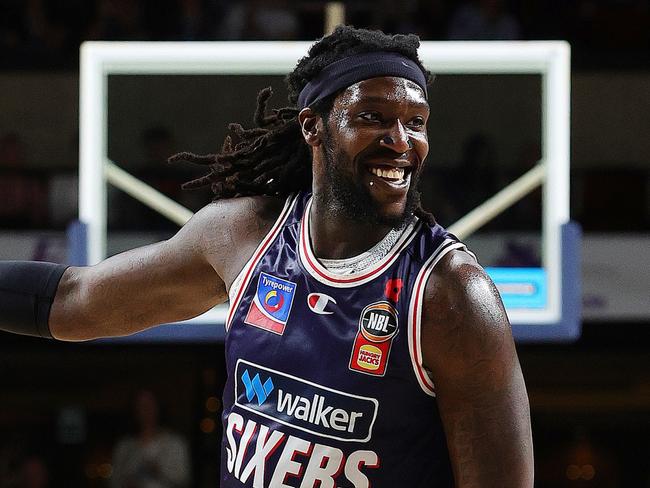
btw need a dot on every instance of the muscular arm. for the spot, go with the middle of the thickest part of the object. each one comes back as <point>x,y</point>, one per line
<point>467,344</point>
<point>164,282</point>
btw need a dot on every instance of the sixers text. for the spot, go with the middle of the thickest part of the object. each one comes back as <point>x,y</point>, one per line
<point>322,465</point>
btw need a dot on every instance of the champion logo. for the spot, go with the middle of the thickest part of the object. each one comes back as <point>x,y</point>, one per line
<point>318,303</point>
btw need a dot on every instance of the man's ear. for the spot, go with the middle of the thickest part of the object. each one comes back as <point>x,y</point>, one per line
<point>311,126</point>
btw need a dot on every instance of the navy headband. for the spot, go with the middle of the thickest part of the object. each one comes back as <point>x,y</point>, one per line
<point>358,67</point>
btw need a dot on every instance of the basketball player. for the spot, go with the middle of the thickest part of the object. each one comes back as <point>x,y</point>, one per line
<point>365,345</point>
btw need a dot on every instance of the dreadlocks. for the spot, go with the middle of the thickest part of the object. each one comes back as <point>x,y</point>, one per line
<point>272,158</point>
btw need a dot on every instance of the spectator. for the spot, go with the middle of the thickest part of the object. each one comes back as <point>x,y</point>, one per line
<point>483,20</point>
<point>476,178</point>
<point>191,20</point>
<point>260,20</point>
<point>526,214</point>
<point>118,20</point>
<point>13,31</point>
<point>431,19</point>
<point>12,151</point>
<point>24,193</point>
<point>21,470</point>
<point>157,144</point>
<point>516,254</point>
<point>33,473</point>
<point>154,457</point>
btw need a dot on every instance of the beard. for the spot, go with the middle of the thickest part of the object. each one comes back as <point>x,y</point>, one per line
<point>350,199</point>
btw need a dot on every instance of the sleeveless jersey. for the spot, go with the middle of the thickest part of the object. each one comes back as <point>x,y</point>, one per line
<point>326,386</point>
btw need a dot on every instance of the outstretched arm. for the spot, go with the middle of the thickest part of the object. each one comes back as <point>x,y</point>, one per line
<point>467,344</point>
<point>165,282</point>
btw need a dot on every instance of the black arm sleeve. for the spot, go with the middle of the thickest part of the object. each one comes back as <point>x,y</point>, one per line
<point>27,290</point>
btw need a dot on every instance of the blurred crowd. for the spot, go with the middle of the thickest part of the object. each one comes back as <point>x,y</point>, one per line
<point>143,452</point>
<point>47,33</point>
<point>44,198</point>
<point>47,197</point>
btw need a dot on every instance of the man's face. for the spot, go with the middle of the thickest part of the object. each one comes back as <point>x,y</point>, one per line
<point>367,177</point>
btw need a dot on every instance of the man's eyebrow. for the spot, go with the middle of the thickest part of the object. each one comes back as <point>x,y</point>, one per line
<point>373,99</point>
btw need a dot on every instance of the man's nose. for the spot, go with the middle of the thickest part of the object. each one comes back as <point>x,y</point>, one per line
<point>397,139</point>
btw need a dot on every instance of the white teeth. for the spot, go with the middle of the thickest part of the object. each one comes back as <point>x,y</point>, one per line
<point>392,174</point>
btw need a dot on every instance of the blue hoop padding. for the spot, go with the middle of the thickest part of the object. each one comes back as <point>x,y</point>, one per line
<point>569,327</point>
<point>76,237</point>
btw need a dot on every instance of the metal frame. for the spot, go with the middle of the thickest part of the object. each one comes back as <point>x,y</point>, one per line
<point>550,59</point>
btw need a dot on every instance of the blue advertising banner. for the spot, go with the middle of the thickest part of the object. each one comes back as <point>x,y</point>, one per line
<point>521,287</point>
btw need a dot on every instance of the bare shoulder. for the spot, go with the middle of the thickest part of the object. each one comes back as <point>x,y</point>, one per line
<point>463,313</point>
<point>237,219</point>
<point>467,346</point>
<point>229,230</point>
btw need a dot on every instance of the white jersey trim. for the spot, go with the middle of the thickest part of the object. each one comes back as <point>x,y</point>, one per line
<point>325,276</point>
<point>415,314</point>
<point>240,283</point>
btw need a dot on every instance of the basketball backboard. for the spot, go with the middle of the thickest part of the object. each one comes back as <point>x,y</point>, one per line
<point>542,302</point>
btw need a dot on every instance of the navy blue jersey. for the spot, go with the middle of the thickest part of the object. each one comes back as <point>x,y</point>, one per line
<point>326,386</point>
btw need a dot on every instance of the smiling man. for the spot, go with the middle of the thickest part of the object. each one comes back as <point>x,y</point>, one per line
<point>365,346</point>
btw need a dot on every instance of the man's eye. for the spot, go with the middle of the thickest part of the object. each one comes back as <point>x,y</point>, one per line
<point>417,122</point>
<point>370,116</point>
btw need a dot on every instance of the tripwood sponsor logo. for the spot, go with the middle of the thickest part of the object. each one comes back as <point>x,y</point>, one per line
<point>378,325</point>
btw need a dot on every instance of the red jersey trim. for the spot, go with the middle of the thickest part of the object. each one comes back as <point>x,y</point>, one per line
<point>415,314</point>
<point>320,273</point>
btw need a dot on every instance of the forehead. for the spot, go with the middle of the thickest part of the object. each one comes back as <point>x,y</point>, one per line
<point>388,89</point>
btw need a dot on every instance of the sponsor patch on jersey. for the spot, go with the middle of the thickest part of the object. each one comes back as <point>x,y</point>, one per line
<point>378,325</point>
<point>378,322</point>
<point>318,303</point>
<point>271,304</point>
<point>304,405</point>
<point>369,357</point>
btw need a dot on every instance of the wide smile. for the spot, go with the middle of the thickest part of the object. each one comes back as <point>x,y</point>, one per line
<point>395,177</point>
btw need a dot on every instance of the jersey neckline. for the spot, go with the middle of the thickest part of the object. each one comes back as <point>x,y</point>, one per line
<point>327,277</point>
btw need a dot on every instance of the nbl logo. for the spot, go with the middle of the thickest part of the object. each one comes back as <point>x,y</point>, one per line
<point>378,325</point>
<point>378,322</point>
<point>271,304</point>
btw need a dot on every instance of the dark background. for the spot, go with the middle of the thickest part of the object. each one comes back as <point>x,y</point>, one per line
<point>590,400</point>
